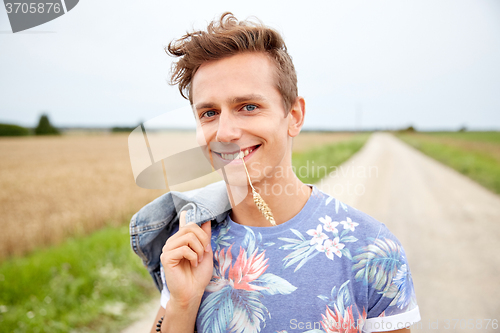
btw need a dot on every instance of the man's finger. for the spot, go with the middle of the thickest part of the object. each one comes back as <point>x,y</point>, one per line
<point>182,219</point>
<point>207,227</point>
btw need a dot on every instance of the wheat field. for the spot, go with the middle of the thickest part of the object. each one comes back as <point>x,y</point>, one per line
<point>55,187</point>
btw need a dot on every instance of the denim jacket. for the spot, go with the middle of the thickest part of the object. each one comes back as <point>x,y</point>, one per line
<point>151,226</point>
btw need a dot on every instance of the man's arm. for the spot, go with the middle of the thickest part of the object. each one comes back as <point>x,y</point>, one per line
<point>176,320</point>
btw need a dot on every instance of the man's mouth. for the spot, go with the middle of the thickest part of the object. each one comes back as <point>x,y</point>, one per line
<point>235,155</point>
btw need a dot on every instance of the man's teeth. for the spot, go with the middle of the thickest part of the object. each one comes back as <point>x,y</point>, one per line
<point>241,154</point>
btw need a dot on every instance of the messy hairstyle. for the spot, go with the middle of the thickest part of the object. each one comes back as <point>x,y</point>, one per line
<point>227,37</point>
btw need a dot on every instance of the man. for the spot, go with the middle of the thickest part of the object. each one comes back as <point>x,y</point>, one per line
<point>324,267</point>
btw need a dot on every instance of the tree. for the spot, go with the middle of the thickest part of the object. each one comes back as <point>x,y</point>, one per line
<point>45,127</point>
<point>410,129</point>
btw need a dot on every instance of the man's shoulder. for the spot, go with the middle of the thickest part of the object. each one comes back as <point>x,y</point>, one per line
<point>331,213</point>
<point>156,207</point>
<point>335,208</point>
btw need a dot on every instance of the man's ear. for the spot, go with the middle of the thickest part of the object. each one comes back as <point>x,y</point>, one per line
<point>296,116</point>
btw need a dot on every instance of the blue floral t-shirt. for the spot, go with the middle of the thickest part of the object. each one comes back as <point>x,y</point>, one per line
<point>331,268</point>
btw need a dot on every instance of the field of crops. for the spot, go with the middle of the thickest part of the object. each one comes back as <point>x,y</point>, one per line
<point>474,154</point>
<point>53,187</point>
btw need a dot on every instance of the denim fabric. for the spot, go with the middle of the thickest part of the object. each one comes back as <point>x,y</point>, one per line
<point>151,226</point>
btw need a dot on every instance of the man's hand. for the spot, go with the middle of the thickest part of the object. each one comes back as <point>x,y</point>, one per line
<point>187,260</point>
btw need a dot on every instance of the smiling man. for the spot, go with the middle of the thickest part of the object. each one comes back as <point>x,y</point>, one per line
<point>324,266</point>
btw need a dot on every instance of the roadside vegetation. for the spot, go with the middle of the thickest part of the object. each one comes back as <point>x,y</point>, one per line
<point>85,284</point>
<point>474,154</point>
<point>314,164</point>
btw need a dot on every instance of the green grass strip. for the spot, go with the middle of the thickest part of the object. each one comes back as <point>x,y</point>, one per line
<point>86,284</point>
<point>312,165</point>
<point>486,136</point>
<point>479,166</point>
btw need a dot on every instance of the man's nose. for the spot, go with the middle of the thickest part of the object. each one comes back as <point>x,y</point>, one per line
<point>228,129</point>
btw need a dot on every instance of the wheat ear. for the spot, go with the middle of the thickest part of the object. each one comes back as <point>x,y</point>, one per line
<point>259,202</point>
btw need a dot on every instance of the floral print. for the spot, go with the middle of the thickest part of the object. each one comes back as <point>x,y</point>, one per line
<point>304,249</point>
<point>343,318</point>
<point>330,247</point>
<point>329,224</point>
<point>333,321</point>
<point>237,289</point>
<point>404,285</point>
<point>318,235</point>
<point>349,224</point>
<point>383,265</point>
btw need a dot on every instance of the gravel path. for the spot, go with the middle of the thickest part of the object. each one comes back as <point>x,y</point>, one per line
<point>145,317</point>
<point>448,225</point>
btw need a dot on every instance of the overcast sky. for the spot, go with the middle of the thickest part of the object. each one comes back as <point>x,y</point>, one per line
<point>361,64</point>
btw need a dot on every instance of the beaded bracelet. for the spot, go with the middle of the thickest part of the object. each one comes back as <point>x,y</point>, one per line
<point>158,326</point>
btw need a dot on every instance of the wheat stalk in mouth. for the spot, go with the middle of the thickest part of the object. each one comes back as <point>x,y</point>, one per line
<point>259,202</point>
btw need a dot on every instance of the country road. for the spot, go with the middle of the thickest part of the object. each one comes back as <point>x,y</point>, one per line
<point>448,225</point>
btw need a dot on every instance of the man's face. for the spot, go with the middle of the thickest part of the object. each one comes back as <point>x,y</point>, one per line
<point>238,106</point>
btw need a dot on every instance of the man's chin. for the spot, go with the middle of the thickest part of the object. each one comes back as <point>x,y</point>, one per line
<point>234,178</point>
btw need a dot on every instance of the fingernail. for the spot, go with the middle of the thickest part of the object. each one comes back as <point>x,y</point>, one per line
<point>201,258</point>
<point>207,248</point>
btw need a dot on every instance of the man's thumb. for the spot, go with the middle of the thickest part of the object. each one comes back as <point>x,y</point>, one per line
<point>207,227</point>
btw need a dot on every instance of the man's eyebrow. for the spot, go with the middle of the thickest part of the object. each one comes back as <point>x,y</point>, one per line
<point>246,98</point>
<point>207,105</point>
<point>233,100</point>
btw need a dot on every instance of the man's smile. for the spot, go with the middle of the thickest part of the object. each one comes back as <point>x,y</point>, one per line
<point>235,155</point>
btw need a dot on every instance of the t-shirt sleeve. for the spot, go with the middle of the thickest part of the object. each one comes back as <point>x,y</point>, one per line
<point>392,300</point>
<point>165,294</point>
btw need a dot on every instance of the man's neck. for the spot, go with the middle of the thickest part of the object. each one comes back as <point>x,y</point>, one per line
<point>285,197</point>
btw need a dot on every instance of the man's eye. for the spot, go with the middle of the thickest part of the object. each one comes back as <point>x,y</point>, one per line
<point>250,107</point>
<point>208,114</point>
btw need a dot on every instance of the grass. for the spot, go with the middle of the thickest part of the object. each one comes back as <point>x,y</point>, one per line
<point>489,137</point>
<point>306,141</point>
<point>86,284</point>
<point>474,154</point>
<point>314,164</point>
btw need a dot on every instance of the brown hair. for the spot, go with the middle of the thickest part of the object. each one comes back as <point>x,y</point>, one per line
<point>228,37</point>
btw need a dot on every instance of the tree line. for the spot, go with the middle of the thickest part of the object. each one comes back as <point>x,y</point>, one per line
<point>44,127</point>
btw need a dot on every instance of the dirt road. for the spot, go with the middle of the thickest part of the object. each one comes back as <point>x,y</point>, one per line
<point>448,225</point>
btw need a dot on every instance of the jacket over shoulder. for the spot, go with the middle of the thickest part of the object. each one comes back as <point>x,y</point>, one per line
<point>153,224</point>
